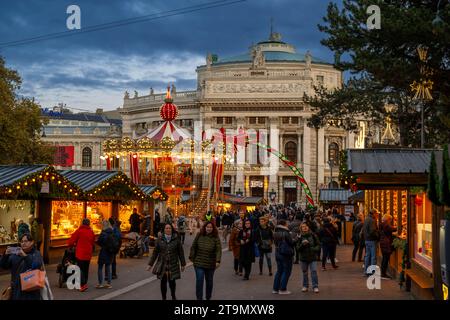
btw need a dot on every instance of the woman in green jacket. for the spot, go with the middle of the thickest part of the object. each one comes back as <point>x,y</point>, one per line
<point>308,246</point>
<point>206,252</point>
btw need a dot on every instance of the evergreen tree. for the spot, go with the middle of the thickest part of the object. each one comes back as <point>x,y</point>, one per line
<point>383,63</point>
<point>433,181</point>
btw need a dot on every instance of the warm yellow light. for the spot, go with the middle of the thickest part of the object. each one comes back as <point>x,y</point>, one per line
<point>34,180</point>
<point>26,183</point>
<point>46,173</point>
<point>18,187</point>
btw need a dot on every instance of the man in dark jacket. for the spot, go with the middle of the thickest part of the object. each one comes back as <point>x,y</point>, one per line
<point>284,253</point>
<point>135,221</point>
<point>371,237</point>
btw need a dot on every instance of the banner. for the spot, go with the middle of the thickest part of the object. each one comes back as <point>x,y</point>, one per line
<point>64,156</point>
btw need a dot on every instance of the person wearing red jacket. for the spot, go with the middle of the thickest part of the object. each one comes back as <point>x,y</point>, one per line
<point>83,239</point>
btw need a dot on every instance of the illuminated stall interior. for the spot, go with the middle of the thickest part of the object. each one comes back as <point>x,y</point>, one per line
<point>101,189</point>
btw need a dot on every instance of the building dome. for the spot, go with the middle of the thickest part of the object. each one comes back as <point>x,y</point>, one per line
<point>274,50</point>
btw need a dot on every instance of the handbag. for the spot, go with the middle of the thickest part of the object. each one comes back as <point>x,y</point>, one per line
<point>256,250</point>
<point>157,268</point>
<point>32,280</point>
<point>6,294</point>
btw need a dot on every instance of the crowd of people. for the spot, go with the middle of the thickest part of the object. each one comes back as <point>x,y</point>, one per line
<point>295,235</point>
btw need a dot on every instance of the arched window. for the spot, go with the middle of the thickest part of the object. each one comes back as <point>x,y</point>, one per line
<point>290,150</point>
<point>333,153</point>
<point>86,158</point>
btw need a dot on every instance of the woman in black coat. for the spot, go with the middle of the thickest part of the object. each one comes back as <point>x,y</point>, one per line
<point>386,239</point>
<point>19,260</point>
<point>168,254</point>
<point>247,254</point>
<point>329,237</point>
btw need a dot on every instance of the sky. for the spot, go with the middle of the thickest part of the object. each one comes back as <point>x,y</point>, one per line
<point>91,70</point>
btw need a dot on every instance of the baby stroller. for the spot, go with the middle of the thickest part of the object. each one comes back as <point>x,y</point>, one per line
<point>68,259</point>
<point>134,247</point>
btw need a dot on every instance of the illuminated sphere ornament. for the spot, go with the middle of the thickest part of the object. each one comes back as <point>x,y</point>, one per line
<point>168,110</point>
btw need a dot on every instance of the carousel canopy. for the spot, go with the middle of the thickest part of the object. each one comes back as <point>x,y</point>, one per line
<point>168,130</point>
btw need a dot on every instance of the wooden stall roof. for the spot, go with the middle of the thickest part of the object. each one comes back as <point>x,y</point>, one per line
<point>377,168</point>
<point>340,196</point>
<point>13,173</point>
<point>88,180</point>
<point>150,190</point>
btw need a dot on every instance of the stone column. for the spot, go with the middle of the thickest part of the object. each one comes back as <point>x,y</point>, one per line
<point>321,156</point>
<point>240,159</point>
<point>307,153</point>
<point>274,160</point>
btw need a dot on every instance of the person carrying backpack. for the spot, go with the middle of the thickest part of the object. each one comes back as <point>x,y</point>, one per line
<point>109,245</point>
<point>116,231</point>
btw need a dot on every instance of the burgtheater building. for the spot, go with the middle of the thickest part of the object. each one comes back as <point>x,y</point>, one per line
<point>260,90</point>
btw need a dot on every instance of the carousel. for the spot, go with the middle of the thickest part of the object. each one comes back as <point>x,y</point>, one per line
<point>162,157</point>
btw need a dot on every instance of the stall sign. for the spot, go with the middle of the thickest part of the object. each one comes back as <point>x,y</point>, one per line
<point>45,188</point>
<point>349,211</point>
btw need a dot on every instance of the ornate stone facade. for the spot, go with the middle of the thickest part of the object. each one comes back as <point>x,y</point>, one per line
<point>260,90</point>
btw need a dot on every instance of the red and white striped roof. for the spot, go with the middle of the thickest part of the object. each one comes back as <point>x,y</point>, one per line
<point>167,129</point>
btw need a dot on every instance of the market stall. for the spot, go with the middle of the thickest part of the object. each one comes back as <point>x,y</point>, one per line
<point>103,191</point>
<point>395,182</point>
<point>25,190</point>
<point>233,202</point>
<point>340,200</point>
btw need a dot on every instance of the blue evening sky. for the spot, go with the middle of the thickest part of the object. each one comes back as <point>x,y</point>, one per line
<point>92,70</point>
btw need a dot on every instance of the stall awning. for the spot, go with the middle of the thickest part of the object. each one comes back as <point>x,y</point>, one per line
<point>9,175</point>
<point>233,199</point>
<point>88,180</point>
<point>378,168</point>
<point>153,191</point>
<point>34,181</point>
<point>104,185</point>
<point>337,196</point>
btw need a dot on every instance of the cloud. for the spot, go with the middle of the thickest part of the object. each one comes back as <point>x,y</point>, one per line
<point>92,78</point>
